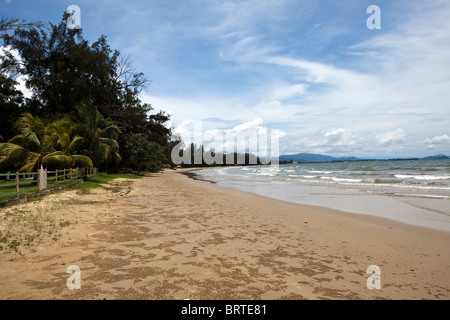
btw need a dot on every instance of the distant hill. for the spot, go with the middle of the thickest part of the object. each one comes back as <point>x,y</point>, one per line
<point>311,157</point>
<point>436,157</point>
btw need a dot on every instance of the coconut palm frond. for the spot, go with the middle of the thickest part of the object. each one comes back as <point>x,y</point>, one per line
<point>100,142</point>
<point>32,142</point>
<point>109,142</point>
<point>54,153</point>
<point>31,163</point>
<point>109,131</point>
<point>28,123</point>
<point>115,156</point>
<point>75,143</point>
<point>62,125</point>
<point>89,114</point>
<point>82,161</point>
<point>12,154</point>
<point>103,152</point>
<point>18,139</point>
<point>58,158</point>
<point>64,142</point>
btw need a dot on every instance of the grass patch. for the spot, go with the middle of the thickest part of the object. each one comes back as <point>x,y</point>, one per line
<point>87,185</point>
<point>6,244</point>
<point>29,225</point>
<point>103,179</point>
<point>7,193</point>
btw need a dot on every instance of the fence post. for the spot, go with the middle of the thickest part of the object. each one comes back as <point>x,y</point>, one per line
<point>56,177</point>
<point>17,184</point>
<point>38,180</point>
<point>46,179</point>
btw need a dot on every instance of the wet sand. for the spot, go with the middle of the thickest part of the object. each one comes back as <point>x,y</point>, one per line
<point>173,237</point>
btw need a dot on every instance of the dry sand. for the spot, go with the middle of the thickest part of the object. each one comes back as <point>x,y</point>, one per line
<point>172,237</point>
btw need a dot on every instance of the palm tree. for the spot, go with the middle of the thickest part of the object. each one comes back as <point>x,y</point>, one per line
<point>59,142</point>
<point>103,148</point>
<point>36,145</point>
<point>25,150</point>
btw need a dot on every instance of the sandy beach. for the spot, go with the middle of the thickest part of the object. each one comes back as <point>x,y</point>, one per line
<point>173,237</point>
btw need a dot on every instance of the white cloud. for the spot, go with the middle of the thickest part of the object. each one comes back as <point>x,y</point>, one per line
<point>319,72</point>
<point>336,133</point>
<point>339,137</point>
<point>8,50</point>
<point>283,92</point>
<point>250,136</point>
<point>21,86</point>
<point>444,139</point>
<point>392,137</point>
<point>20,79</point>
<point>338,142</point>
<point>254,124</point>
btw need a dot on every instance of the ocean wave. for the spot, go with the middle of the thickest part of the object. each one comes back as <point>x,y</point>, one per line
<point>266,174</point>
<point>346,180</point>
<point>424,195</point>
<point>325,172</point>
<point>421,177</point>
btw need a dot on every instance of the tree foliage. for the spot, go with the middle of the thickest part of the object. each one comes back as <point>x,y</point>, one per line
<point>37,144</point>
<point>7,24</point>
<point>10,102</point>
<point>88,93</point>
<point>143,154</point>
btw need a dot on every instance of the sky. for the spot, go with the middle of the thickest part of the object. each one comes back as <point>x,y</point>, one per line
<point>310,71</point>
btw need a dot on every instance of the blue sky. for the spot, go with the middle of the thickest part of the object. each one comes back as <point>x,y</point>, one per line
<point>310,69</point>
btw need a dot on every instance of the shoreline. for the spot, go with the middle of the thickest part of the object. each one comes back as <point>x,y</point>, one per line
<point>419,212</point>
<point>173,237</point>
<point>363,218</point>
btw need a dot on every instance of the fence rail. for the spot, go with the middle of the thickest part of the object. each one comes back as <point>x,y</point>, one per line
<point>16,184</point>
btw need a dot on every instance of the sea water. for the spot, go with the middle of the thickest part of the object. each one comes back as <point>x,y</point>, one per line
<point>410,191</point>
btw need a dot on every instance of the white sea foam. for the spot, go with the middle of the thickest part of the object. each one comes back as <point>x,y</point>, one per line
<point>421,177</point>
<point>429,179</point>
<point>345,180</point>
<point>324,172</point>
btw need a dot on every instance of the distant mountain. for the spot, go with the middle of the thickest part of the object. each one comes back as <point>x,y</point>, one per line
<point>436,157</point>
<point>311,157</point>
